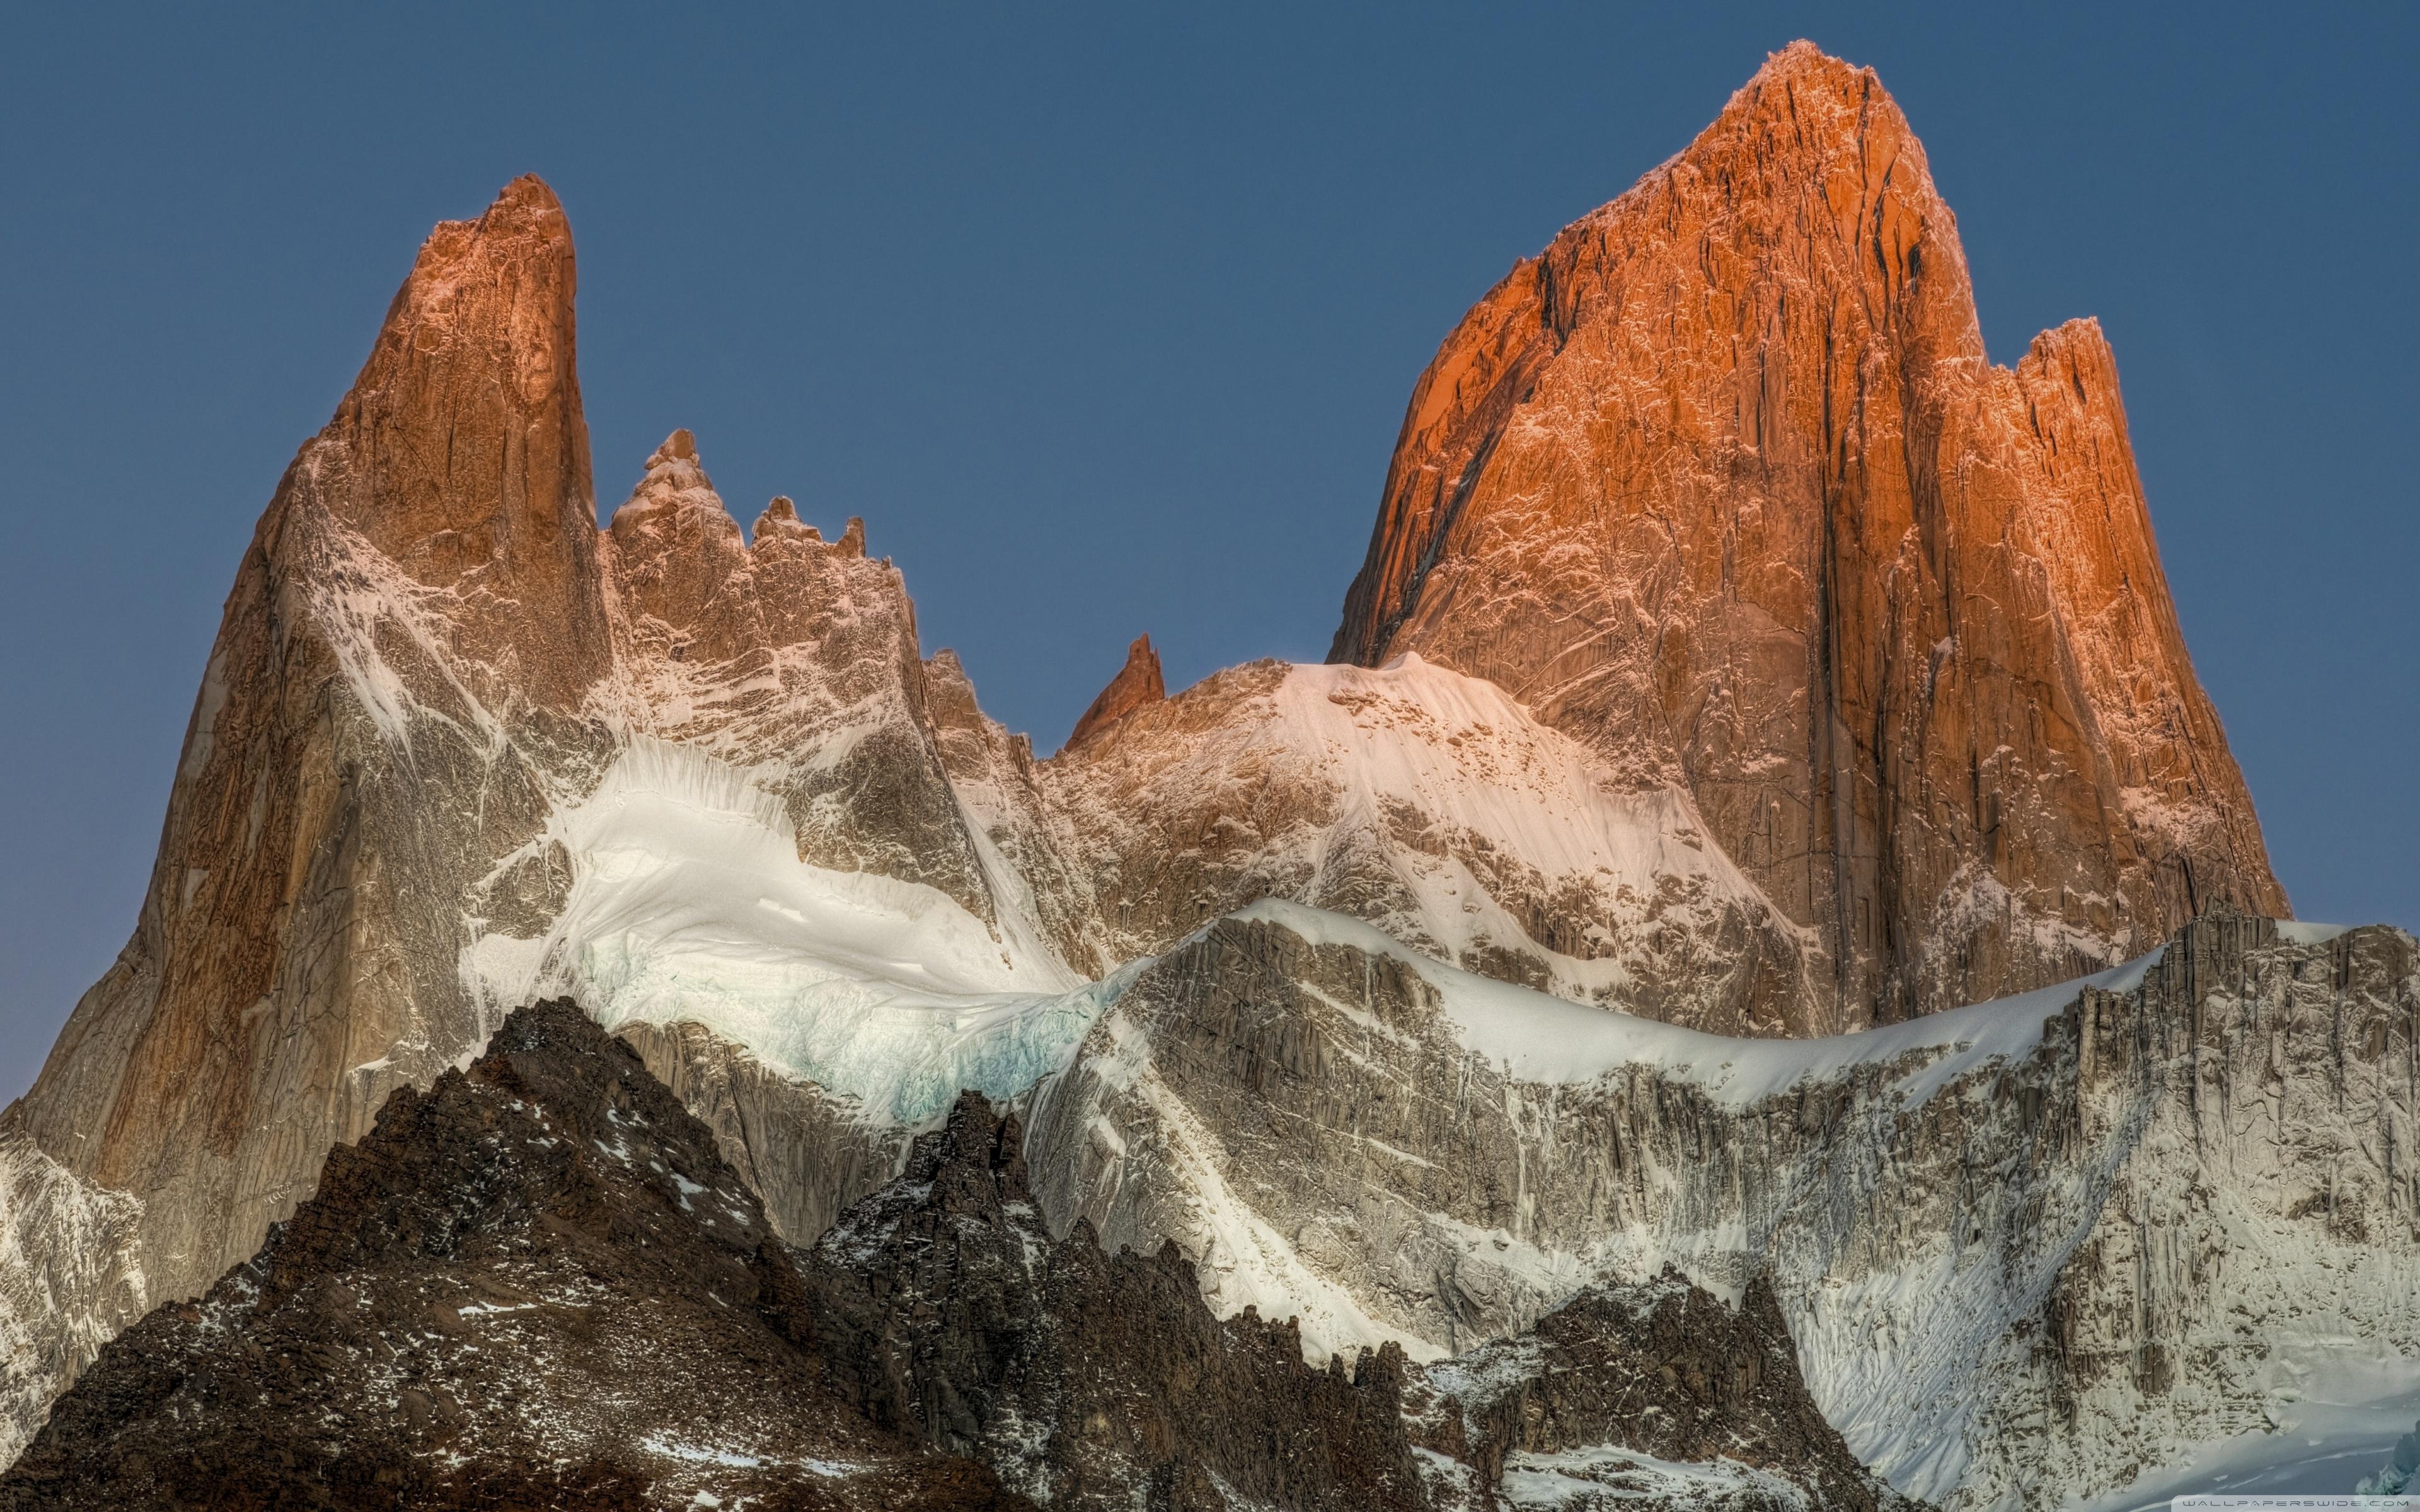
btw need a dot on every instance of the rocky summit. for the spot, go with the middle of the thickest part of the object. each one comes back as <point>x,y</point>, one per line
<point>1138,683</point>
<point>1750,979</point>
<point>1722,485</point>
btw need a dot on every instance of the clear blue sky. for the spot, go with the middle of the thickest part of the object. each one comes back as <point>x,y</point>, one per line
<point>1104,318</point>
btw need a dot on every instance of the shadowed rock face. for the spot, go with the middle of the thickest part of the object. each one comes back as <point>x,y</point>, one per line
<point>295,956</point>
<point>535,1285</point>
<point>2025,1251</point>
<point>803,1152</point>
<point>1723,485</point>
<point>1099,1381</point>
<point>1569,1402</point>
<point>427,653</point>
<point>1085,1378</point>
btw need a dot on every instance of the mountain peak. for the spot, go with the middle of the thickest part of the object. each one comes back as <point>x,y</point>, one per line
<point>461,451</point>
<point>1138,683</point>
<point>480,336</point>
<point>680,446</point>
<point>780,518</point>
<point>1721,485</point>
<point>674,479</point>
<point>1802,75</point>
<point>1805,59</point>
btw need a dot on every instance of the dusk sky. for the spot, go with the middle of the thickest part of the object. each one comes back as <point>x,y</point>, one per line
<point>1104,319</point>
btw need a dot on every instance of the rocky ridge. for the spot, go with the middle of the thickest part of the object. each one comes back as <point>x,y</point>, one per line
<point>538,1285</point>
<point>456,748</point>
<point>1568,1414</point>
<point>1432,805</point>
<point>375,727</point>
<point>1998,1234</point>
<point>1138,683</point>
<point>535,1285</point>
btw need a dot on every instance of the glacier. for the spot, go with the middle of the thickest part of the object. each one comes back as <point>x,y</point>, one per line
<point>689,902</point>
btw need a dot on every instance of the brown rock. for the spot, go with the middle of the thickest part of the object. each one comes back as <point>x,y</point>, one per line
<point>462,453</point>
<point>773,654</point>
<point>1138,683</point>
<point>294,959</point>
<point>1723,484</point>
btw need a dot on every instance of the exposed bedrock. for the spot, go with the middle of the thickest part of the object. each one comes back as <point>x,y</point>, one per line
<point>2032,1249</point>
<point>539,1285</point>
<point>1737,649</point>
<point>1723,485</point>
<point>535,1285</point>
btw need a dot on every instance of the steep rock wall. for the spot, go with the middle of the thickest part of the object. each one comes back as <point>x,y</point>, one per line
<point>1722,484</point>
<point>2042,1246</point>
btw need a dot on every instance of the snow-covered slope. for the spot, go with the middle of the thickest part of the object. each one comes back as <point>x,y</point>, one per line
<point>1433,805</point>
<point>688,902</point>
<point>2026,1249</point>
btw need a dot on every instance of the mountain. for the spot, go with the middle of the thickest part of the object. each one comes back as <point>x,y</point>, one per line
<point>1722,485</point>
<point>374,729</point>
<point>1462,983</point>
<point>538,1285</point>
<point>2026,1249</point>
<point>1432,805</point>
<point>535,1284</point>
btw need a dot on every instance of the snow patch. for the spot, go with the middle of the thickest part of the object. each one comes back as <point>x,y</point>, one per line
<point>689,902</point>
<point>667,1447</point>
<point>1542,1039</point>
<point>1578,1478</point>
<point>2302,932</point>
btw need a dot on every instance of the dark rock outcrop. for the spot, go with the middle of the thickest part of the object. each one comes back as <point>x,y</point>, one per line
<point>1662,1368</point>
<point>539,1285</point>
<point>535,1286</point>
<point>2026,1250</point>
<point>1092,1380</point>
<point>1085,1378</point>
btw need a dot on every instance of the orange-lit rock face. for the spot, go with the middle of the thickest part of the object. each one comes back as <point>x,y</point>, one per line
<point>1138,683</point>
<point>461,454</point>
<point>1723,485</point>
<point>413,654</point>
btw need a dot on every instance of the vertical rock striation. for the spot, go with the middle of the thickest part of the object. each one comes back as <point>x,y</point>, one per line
<point>1737,647</point>
<point>429,656</point>
<point>795,658</point>
<point>2026,1250</point>
<point>398,679</point>
<point>1723,485</point>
